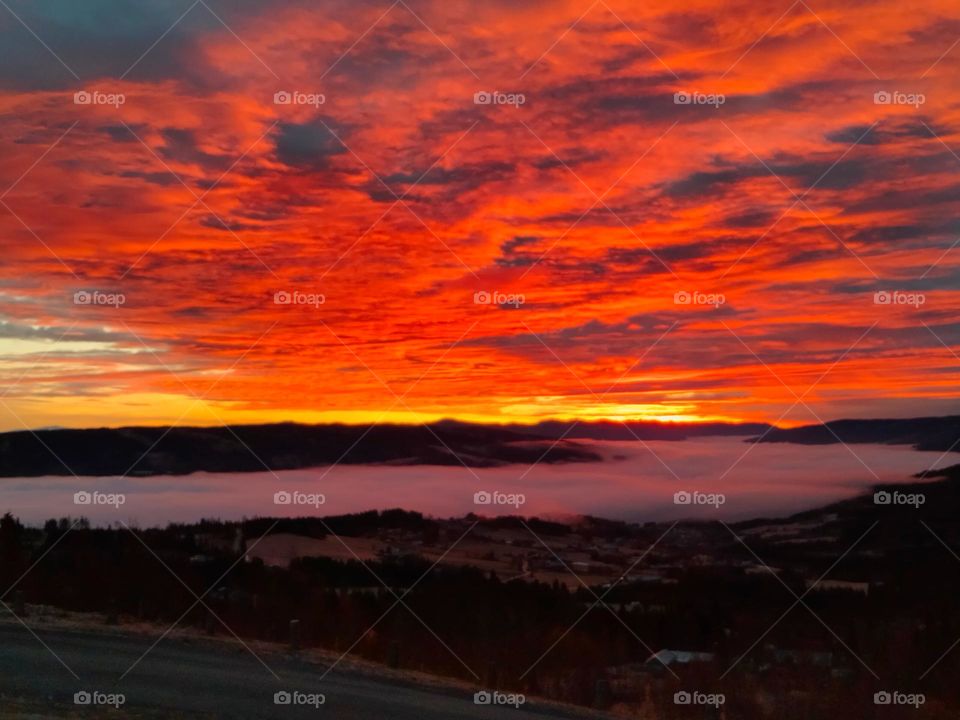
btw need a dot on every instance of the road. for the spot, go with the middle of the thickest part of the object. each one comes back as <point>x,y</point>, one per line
<point>191,679</point>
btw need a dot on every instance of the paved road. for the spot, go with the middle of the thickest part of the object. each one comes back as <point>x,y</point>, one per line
<point>187,679</point>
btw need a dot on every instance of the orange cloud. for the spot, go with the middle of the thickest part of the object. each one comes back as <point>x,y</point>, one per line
<point>674,212</point>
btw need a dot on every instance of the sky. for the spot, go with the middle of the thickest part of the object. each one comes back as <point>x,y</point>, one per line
<point>217,212</point>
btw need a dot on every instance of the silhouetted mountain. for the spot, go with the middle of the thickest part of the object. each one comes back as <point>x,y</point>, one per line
<point>252,448</point>
<point>949,473</point>
<point>633,430</point>
<point>935,433</point>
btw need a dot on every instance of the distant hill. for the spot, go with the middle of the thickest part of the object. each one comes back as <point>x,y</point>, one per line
<point>142,451</point>
<point>941,491</point>
<point>642,430</point>
<point>931,433</point>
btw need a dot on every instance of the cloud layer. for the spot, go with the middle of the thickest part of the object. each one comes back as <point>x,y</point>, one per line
<point>516,211</point>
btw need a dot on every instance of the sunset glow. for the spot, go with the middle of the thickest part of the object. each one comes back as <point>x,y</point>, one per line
<point>648,212</point>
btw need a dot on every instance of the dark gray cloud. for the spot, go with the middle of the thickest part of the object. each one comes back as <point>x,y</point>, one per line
<point>453,182</point>
<point>100,39</point>
<point>941,200</point>
<point>183,146</point>
<point>216,222</point>
<point>572,159</point>
<point>161,177</point>
<point>309,145</point>
<point>471,175</point>
<point>120,134</point>
<point>672,253</point>
<point>520,251</point>
<point>885,133</point>
<point>799,174</point>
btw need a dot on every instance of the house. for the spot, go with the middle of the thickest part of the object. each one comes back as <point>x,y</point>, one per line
<point>851,586</point>
<point>679,657</point>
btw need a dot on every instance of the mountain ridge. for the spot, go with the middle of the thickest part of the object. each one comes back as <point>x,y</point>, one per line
<point>923,433</point>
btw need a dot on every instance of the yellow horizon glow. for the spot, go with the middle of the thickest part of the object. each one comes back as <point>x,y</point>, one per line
<point>164,410</point>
